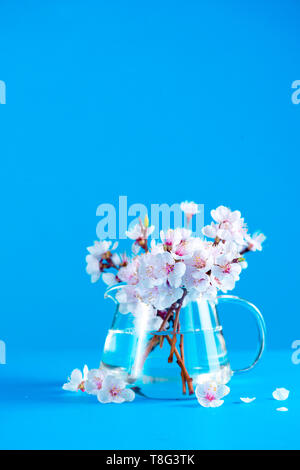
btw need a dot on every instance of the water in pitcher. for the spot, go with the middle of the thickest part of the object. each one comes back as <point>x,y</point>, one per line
<point>127,355</point>
<point>205,358</point>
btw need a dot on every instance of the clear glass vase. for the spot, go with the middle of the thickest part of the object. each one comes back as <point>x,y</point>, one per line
<point>141,356</point>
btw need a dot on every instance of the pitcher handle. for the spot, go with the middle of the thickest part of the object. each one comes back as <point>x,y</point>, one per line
<point>260,326</point>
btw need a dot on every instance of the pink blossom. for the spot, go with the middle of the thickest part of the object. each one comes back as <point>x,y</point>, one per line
<point>209,394</point>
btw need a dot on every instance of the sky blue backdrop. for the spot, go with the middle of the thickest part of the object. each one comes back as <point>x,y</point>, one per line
<point>159,101</point>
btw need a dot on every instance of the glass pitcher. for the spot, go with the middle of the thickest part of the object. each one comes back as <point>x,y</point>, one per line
<point>141,355</point>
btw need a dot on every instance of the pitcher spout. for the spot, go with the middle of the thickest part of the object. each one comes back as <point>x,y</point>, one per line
<point>111,292</point>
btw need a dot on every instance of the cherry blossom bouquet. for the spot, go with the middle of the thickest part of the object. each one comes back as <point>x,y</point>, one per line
<point>180,268</point>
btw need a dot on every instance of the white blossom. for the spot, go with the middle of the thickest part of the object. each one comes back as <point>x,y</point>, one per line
<point>114,390</point>
<point>149,274</point>
<point>209,394</point>
<point>128,297</point>
<point>155,270</point>
<point>203,256</point>
<point>161,297</point>
<point>255,242</point>
<point>99,248</point>
<point>179,242</point>
<point>77,380</point>
<point>229,226</point>
<point>94,381</point>
<point>138,232</point>
<point>189,208</point>
<point>99,251</point>
<point>171,238</point>
<point>227,267</point>
<point>129,273</point>
<point>196,279</point>
<point>226,276</point>
<point>210,293</point>
<point>93,267</point>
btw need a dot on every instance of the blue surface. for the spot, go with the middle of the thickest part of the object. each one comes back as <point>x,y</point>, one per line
<point>38,414</point>
<point>162,102</point>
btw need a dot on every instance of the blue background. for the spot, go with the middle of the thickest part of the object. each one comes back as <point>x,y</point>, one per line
<point>162,102</point>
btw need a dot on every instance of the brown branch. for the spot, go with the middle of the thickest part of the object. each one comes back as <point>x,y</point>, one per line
<point>174,339</point>
<point>182,358</point>
<point>216,241</point>
<point>156,338</point>
<point>143,242</point>
<point>245,250</point>
<point>188,379</point>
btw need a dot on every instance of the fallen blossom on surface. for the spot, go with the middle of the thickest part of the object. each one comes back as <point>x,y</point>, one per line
<point>281,394</point>
<point>77,380</point>
<point>114,391</point>
<point>94,381</point>
<point>209,394</point>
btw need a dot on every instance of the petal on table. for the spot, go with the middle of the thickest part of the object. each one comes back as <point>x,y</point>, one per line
<point>281,394</point>
<point>247,400</point>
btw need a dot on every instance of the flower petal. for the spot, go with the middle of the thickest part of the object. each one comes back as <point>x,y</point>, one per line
<point>76,376</point>
<point>104,396</point>
<point>222,391</point>
<point>281,394</point>
<point>128,394</point>
<point>118,399</point>
<point>204,402</point>
<point>247,400</point>
<point>109,279</point>
<point>85,372</point>
<point>216,403</point>
<point>200,391</point>
<point>111,381</point>
<point>70,387</point>
<point>209,231</point>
